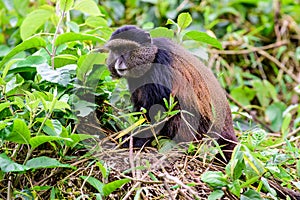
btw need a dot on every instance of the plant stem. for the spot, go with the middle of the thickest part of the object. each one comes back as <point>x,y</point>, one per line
<point>55,35</point>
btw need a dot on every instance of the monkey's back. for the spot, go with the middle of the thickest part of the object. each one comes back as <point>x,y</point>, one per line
<point>197,91</point>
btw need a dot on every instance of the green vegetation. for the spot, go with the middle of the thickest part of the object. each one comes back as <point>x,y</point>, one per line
<point>57,99</point>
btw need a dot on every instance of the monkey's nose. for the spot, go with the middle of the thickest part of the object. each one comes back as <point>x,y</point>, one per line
<point>121,67</point>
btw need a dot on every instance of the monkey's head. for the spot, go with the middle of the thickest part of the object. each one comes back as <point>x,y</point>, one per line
<point>131,52</point>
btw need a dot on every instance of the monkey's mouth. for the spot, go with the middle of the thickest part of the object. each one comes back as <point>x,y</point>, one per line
<point>121,67</point>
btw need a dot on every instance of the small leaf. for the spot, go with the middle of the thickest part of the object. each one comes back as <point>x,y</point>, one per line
<point>70,37</point>
<point>98,185</point>
<point>20,132</point>
<point>73,26</point>
<point>8,165</point>
<point>75,138</point>
<point>218,194</point>
<point>96,22</point>
<point>87,6</point>
<point>184,20</point>
<point>214,179</point>
<point>33,22</point>
<point>4,105</point>
<point>170,21</point>
<point>60,76</point>
<point>41,139</point>
<point>250,195</point>
<point>103,170</point>
<point>162,32</point>
<point>86,64</point>
<point>274,113</point>
<point>112,186</point>
<point>45,162</point>
<point>203,37</point>
<point>32,42</point>
<point>66,5</point>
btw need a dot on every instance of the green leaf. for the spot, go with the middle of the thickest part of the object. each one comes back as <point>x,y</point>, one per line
<point>87,6</point>
<point>8,165</point>
<point>170,21</point>
<point>61,76</point>
<point>33,22</point>
<point>86,64</point>
<point>45,162</point>
<point>41,139</point>
<point>32,42</point>
<point>250,195</point>
<point>70,37</point>
<point>98,185</point>
<point>218,194</point>
<point>274,113</point>
<point>214,179</point>
<point>184,20</point>
<point>66,4</point>
<point>162,32</point>
<point>75,138</point>
<point>243,95</point>
<point>4,50</point>
<point>112,186</point>
<point>20,132</point>
<point>103,170</point>
<point>4,105</point>
<point>203,37</point>
<point>96,22</point>
<point>73,26</point>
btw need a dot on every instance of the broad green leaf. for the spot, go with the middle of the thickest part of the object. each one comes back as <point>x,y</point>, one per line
<point>32,42</point>
<point>14,83</point>
<point>20,132</point>
<point>67,56</point>
<point>103,170</point>
<point>73,26</point>
<point>217,194</point>
<point>250,195</point>
<point>75,138</point>
<point>4,105</point>
<point>8,165</point>
<point>214,179</point>
<point>70,37</point>
<point>41,139</point>
<point>112,186</point>
<point>86,64</point>
<point>4,50</point>
<point>88,7</point>
<point>274,112</point>
<point>33,22</point>
<point>162,32</point>
<point>45,162</point>
<point>184,20</point>
<point>66,5</point>
<point>98,72</point>
<point>21,6</point>
<point>28,64</point>
<point>98,185</point>
<point>203,37</point>
<point>243,95</point>
<point>61,76</point>
<point>96,22</point>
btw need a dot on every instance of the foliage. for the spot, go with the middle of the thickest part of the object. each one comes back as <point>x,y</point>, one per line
<point>53,78</point>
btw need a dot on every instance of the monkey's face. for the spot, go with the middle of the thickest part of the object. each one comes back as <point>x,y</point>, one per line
<point>131,62</point>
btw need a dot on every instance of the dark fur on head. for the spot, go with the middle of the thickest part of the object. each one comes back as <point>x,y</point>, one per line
<point>157,68</point>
